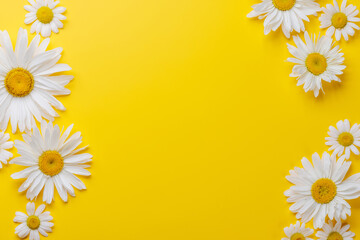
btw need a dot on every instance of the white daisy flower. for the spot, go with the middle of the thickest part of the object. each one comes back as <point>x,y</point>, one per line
<point>344,138</point>
<point>4,146</point>
<point>289,14</point>
<point>45,16</point>
<point>320,189</point>
<point>340,21</point>
<point>297,232</point>
<point>27,87</point>
<point>36,222</point>
<point>335,232</point>
<point>315,61</point>
<point>52,159</point>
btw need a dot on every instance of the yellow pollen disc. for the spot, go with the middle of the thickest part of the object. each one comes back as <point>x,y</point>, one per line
<point>346,139</point>
<point>33,222</point>
<point>297,236</point>
<point>335,236</point>
<point>51,163</point>
<point>284,5</point>
<point>316,63</point>
<point>323,190</point>
<point>19,82</point>
<point>45,15</point>
<point>339,20</point>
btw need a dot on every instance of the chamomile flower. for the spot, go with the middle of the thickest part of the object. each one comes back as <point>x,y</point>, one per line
<point>344,138</point>
<point>297,231</point>
<point>45,16</point>
<point>52,159</point>
<point>287,14</point>
<point>320,189</point>
<point>331,231</point>
<point>34,223</point>
<point>315,61</point>
<point>4,146</point>
<point>340,21</point>
<point>27,84</point>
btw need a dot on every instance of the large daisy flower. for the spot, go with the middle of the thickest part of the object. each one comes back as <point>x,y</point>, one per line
<point>4,146</point>
<point>320,189</point>
<point>340,21</point>
<point>52,159</point>
<point>344,138</point>
<point>35,222</point>
<point>315,61</point>
<point>297,231</point>
<point>331,231</point>
<point>27,87</point>
<point>289,14</point>
<point>45,16</point>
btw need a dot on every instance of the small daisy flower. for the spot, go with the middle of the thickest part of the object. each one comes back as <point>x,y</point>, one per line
<point>320,190</point>
<point>52,160</point>
<point>340,21</point>
<point>36,222</point>
<point>287,14</point>
<point>297,232</point>
<point>4,146</point>
<point>335,232</point>
<point>344,138</point>
<point>45,16</point>
<point>315,61</point>
<point>27,81</point>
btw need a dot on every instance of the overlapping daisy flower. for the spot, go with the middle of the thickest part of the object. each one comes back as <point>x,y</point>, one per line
<point>52,159</point>
<point>34,223</point>
<point>297,231</point>
<point>340,21</point>
<point>315,61</point>
<point>320,190</point>
<point>345,138</point>
<point>331,231</point>
<point>27,83</point>
<point>5,145</point>
<point>44,16</point>
<point>287,14</point>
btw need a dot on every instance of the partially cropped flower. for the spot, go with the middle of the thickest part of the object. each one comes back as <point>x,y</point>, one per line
<point>345,138</point>
<point>297,232</point>
<point>320,190</point>
<point>340,21</point>
<point>27,81</point>
<point>5,144</point>
<point>287,14</point>
<point>331,231</point>
<point>45,16</point>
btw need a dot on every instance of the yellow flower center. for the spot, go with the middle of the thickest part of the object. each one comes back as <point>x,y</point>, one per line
<point>19,82</point>
<point>297,236</point>
<point>33,222</point>
<point>346,139</point>
<point>316,63</point>
<point>51,163</point>
<point>284,5</point>
<point>335,236</point>
<point>323,190</point>
<point>339,20</point>
<point>45,15</point>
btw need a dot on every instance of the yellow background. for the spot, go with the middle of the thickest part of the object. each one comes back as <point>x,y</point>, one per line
<point>192,119</point>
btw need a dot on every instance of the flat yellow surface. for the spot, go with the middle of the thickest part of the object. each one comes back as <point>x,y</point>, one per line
<point>192,119</point>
